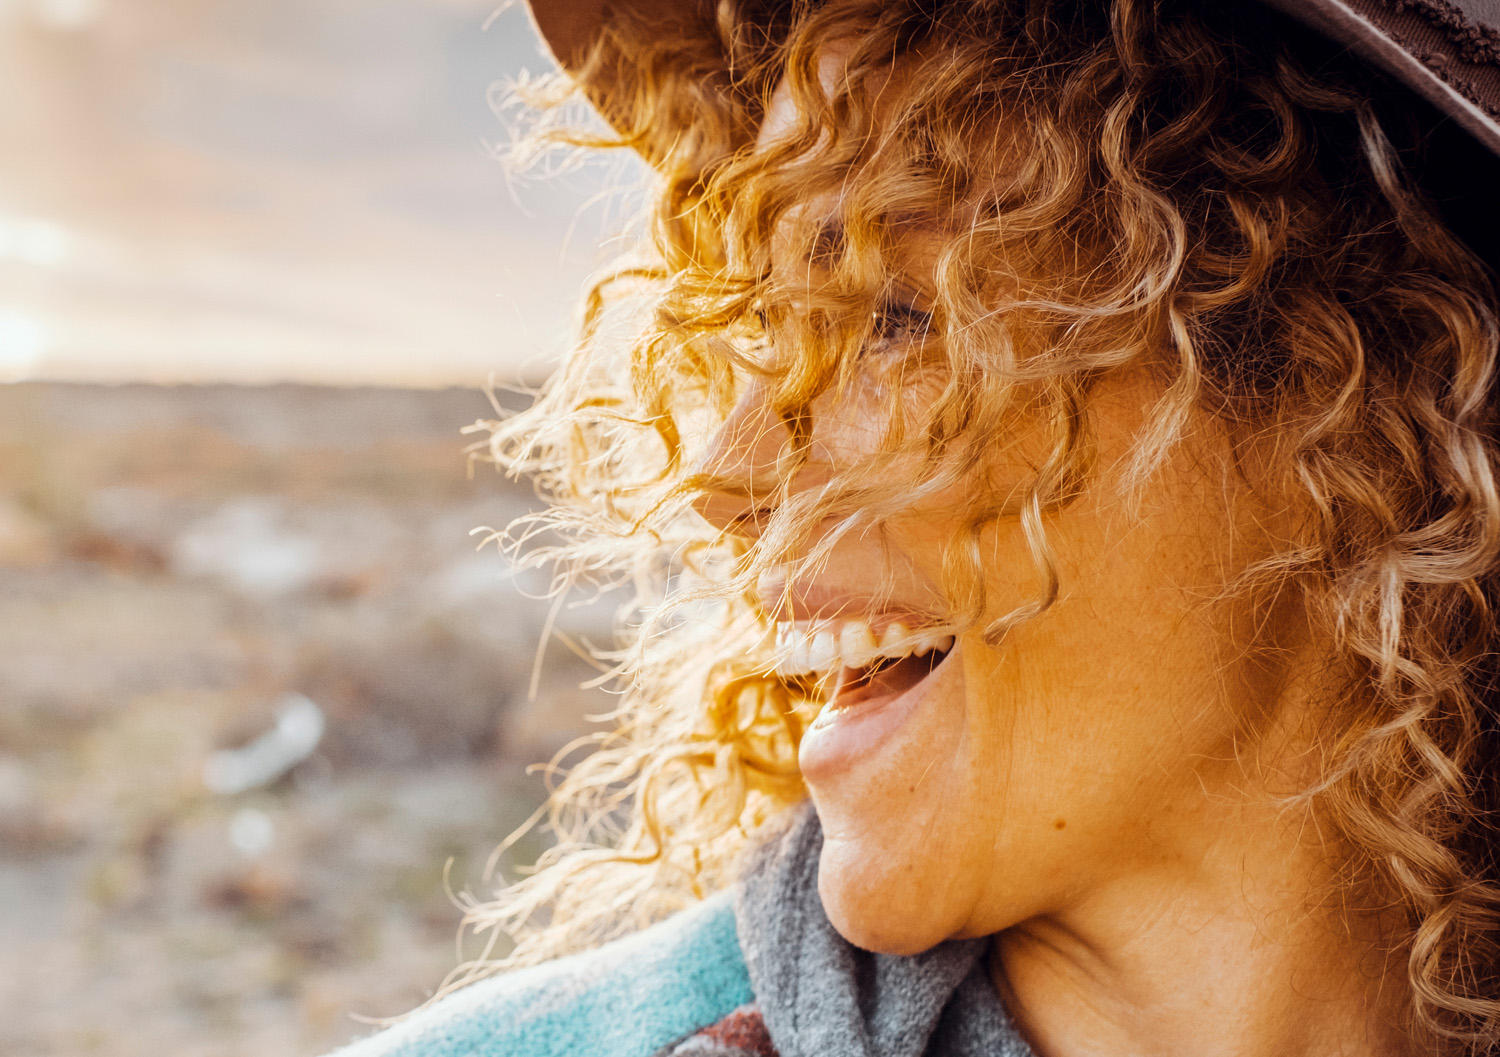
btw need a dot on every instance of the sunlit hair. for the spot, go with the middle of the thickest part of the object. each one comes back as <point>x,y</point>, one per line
<point>1191,188</point>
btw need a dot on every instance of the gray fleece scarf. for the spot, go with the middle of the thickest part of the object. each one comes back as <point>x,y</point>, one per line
<point>823,997</point>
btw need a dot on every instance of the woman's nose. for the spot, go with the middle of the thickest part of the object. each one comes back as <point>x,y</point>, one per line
<point>740,469</point>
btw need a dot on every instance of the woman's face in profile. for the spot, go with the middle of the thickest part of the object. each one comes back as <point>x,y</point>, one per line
<point>1093,755</point>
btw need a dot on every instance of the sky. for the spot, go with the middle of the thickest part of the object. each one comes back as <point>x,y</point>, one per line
<point>270,190</point>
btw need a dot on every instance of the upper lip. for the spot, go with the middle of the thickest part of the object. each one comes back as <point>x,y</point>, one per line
<point>821,602</point>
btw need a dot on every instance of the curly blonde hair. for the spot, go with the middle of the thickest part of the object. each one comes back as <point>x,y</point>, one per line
<point>1193,188</point>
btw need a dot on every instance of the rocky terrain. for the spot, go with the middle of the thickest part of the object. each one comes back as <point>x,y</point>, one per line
<point>257,689</point>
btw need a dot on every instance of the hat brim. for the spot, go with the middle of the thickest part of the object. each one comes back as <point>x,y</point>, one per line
<point>1447,52</point>
<point>1448,55</point>
<point>575,31</point>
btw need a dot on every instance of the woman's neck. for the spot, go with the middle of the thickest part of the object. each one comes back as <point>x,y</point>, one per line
<point>1226,951</point>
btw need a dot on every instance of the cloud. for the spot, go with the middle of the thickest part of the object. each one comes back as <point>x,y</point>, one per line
<point>289,188</point>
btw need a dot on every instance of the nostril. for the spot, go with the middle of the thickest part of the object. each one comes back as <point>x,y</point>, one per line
<point>731,513</point>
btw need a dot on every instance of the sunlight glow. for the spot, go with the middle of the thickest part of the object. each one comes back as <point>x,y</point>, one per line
<point>22,342</point>
<point>33,240</point>
<point>67,14</point>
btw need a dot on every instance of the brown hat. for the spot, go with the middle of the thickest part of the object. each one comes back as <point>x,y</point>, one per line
<point>1446,51</point>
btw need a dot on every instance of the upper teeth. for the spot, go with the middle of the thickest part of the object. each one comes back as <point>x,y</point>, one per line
<point>822,646</point>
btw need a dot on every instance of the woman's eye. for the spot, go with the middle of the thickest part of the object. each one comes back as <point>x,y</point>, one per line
<point>892,324</point>
<point>902,323</point>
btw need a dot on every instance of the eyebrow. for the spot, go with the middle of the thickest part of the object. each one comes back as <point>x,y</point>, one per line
<point>832,237</point>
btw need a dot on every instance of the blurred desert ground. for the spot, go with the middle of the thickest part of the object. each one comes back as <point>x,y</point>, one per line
<point>173,562</point>
<point>257,264</point>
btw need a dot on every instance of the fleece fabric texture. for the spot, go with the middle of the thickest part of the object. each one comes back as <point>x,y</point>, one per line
<point>823,997</point>
<point>627,999</point>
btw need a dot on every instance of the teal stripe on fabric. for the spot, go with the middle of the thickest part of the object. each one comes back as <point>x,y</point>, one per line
<point>626,999</point>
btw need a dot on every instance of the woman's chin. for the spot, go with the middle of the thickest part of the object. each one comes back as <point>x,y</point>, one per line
<point>878,765</point>
<point>879,913</point>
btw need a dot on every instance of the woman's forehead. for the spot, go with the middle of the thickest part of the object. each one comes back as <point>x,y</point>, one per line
<point>781,113</point>
<point>834,74</point>
<point>994,144</point>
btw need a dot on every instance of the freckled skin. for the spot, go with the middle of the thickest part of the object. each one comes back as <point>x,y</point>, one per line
<point>1117,704</point>
<point>1103,790</point>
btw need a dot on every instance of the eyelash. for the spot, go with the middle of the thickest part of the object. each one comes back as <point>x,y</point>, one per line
<point>894,322</point>
<point>897,321</point>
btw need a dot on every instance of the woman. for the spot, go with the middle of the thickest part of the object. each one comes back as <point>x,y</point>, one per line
<point>1064,433</point>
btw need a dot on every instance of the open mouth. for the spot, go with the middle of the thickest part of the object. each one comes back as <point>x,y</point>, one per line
<point>869,686</point>
<point>848,664</point>
<point>886,678</point>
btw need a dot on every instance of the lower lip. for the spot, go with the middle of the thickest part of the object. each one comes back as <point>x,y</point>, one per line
<point>840,737</point>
